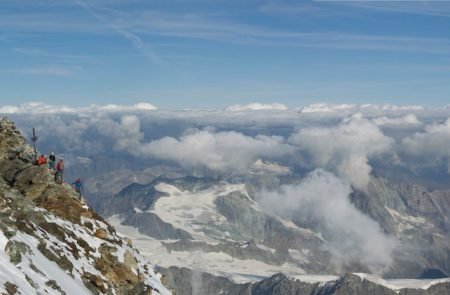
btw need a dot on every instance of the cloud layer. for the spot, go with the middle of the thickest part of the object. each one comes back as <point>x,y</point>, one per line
<point>226,152</point>
<point>42,108</point>
<point>347,143</point>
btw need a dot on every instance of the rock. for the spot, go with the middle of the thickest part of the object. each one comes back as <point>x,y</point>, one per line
<point>129,260</point>
<point>15,250</point>
<point>150,224</point>
<point>101,233</point>
<point>10,288</point>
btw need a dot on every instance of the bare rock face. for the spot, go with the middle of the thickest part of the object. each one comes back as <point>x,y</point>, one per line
<point>52,242</point>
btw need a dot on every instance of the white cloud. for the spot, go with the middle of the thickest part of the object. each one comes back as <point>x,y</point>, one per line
<point>431,146</point>
<point>391,107</point>
<point>9,110</point>
<point>322,199</point>
<point>344,146</point>
<point>225,152</point>
<point>326,108</point>
<point>406,121</point>
<point>344,149</point>
<point>144,106</point>
<point>257,107</point>
<point>354,108</point>
<point>42,108</point>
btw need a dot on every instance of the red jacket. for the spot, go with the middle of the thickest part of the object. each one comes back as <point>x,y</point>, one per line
<point>41,160</point>
<point>60,166</point>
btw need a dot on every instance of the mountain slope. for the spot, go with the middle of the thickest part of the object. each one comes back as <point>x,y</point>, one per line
<point>52,242</point>
<point>219,227</point>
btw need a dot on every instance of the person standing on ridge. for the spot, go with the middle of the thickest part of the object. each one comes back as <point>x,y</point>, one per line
<point>78,186</point>
<point>52,160</point>
<point>59,176</point>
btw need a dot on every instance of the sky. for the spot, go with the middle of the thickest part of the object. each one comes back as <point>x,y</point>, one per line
<point>210,54</point>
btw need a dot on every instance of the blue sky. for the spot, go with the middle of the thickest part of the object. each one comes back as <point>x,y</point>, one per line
<point>208,54</point>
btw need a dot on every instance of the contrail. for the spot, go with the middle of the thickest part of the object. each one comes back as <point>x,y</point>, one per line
<point>131,37</point>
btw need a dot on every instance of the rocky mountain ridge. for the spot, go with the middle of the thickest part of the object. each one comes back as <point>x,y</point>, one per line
<point>240,229</point>
<point>186,281</point>
<point>52,242</point>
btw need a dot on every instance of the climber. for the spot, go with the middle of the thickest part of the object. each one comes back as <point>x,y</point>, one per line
<point>52,160</point>
<point>78,186</point>
<point>41,160</point>
<point>59,171</point>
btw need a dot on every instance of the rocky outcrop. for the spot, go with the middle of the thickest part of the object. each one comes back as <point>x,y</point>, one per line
<point>52,240</point>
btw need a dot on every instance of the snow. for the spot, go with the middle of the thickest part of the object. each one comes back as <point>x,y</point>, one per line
<point>398,284</point>
<point>222,264</point>
<point>190,211</point>
<point>416,284</point>
<point>49,270</point>
<point>406,222</point>
<point>316,278</point>
<point>298,255</point>
<point>10,273</point>
<point>39,269</point>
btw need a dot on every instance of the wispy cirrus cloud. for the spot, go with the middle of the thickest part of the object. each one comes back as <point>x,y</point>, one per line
<point>132,37</point>
<point>137,26</point>
<point>440,8</point>
<point>324,8</point>
<point>49,70</point>
<point>55,56</point>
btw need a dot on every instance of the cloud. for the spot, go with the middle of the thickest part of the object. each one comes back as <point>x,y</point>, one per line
<point>344,149</point>
<point>42,108</point>
<point>51,70</point>
<point>436,8</point>
<point>322,199</point>
<point>348,145</point>
<point>326,108</point>
<point>257,107</point>
<point>431,146</point>
<point>223,152</point>
<point>406,121</point>
<point>354,108</point>
<point>136,25</point>
<point>133,38</point>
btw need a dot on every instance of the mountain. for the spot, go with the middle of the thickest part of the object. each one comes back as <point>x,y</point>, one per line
<point>217,230</point>
<point>51,242</point>
<point>224,223</point>
<point>186,281</point>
